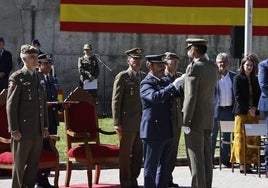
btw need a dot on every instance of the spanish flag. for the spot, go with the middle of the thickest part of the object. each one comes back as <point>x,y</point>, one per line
<point>209,17</point>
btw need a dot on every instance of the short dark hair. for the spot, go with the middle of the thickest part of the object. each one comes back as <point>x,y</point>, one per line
<point>201,49</point>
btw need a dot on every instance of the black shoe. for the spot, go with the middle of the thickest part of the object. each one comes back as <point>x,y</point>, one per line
<point>227,164</point>
<point>248,171</point>
<point>45,183</point>
<point>171,185</point>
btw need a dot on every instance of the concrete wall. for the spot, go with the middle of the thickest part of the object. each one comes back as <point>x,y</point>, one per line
<point>18,27</point>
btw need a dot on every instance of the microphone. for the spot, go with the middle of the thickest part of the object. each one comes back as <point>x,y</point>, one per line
<point>98,57</point>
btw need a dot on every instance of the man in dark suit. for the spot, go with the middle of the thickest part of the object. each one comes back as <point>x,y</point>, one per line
<point>200,79</point>
<point>172,64</point>
<point>51,85</point>
<point>27,118</point>
<point>223,106</point>
<point>156,130</point>
<point>263,102</point>
<point>126,110</point>
<point>5,65</point>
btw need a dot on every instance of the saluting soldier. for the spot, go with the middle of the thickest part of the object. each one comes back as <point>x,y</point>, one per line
<point>27,118</point>
<point>88,67</point>
<point>126,110</point>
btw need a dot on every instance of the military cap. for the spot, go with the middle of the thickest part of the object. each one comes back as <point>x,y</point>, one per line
<point>195,42</point>
<point>28,49</point>
<point>35,41</point>
<point>159,58</point>
<point>170,55</point>
<point>45,58</point>
<point>2,39</point>
<point>134,52</point>
<point>87,47</point>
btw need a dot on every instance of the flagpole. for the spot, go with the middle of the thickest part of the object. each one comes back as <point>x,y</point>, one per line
<point>248,26</point>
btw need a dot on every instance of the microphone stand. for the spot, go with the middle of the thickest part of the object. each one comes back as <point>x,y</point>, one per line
<point>104,67</point>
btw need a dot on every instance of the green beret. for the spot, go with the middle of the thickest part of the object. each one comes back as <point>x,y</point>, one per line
<point>28,49</point>
<point>195,42</point>
<point>87,47</point>
<point>134,52</point>
<point>170,55</point>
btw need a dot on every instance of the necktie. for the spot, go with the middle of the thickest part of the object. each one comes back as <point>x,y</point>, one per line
<point>137,76</point>
<point>47,79</point>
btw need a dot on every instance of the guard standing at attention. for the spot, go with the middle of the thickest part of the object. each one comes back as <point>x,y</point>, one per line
<point>27,118</point>
<point>126,110</point>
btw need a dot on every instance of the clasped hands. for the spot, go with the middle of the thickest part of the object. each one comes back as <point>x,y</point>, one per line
<point>178,82</point>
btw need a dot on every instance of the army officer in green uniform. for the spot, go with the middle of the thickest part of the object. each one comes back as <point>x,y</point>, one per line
<point>126,110</point>
<point>27,119</point>
<point>172,64</point>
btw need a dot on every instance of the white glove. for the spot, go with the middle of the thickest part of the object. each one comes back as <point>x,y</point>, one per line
<point>178,82</point>
<point>186,130</point>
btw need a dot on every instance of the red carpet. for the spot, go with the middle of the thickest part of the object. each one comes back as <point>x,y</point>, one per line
<point>101,185</point>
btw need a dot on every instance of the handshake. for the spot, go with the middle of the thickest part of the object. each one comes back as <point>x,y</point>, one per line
<point>179,81</point>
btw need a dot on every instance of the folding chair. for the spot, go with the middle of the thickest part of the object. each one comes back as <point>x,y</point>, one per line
<point>258,129</point>
<point>226,127</point>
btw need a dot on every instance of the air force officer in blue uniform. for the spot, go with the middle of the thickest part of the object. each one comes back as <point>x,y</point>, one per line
<point>156,130</point>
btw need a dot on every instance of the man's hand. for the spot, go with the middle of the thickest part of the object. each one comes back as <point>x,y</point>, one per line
<point>16,135</point>
<point>178,82</point>
<point>45,133</point>
<point>118,128</point>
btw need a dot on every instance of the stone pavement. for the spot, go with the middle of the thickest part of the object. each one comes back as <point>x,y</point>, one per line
<point>181,174</point>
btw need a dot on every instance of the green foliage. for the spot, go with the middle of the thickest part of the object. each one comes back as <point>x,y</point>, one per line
<point>107,125</point>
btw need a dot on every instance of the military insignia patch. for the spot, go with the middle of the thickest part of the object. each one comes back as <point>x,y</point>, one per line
<point>11,85</point>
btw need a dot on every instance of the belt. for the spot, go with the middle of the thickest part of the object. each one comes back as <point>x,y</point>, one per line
<point>226,107</point>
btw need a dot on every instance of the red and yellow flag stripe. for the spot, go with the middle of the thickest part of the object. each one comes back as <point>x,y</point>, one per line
<point>159,16</point>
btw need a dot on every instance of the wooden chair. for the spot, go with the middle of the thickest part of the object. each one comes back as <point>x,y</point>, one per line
<point>258,129</point>
<point>48,159</point>
<point>226,127</point>
<point>82,135</point>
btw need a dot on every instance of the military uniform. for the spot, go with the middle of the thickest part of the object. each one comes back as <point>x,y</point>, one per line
<point>126,110</point>
<point>88,67</point>
<point>200,80</point>
<point>177,113</point>
<point>51,86</point>
<point>156,129</point>
<point>27,113</point>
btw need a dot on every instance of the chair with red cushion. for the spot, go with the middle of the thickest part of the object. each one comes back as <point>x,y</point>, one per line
<point>49,159</point>
<point>82,133</point>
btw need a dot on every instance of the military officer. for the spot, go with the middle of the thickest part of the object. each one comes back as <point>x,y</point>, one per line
<point>88,67</point>
<point>156,129</point>
<point>51,85</point>
<point>27,118</point>
<point>172,62</point>
<point>200,80</point>
<point>126,94</point>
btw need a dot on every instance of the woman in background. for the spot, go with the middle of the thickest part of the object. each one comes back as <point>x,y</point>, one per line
<point>247,93</point>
